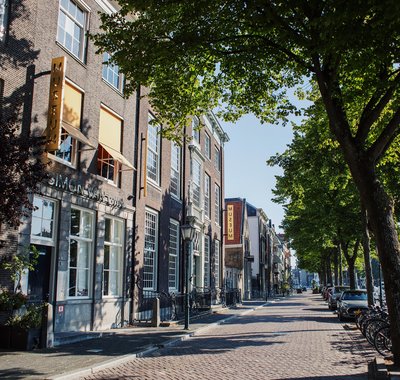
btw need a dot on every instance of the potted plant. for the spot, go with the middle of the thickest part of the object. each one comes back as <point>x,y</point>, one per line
<point>26,327</point>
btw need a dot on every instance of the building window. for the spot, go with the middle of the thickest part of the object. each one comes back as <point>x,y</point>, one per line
<point>217,159</point>
<point>217,204</point>
<point>80,252</point>
<point>207,145</point>
<point>196,129</point>
<point>72,28</point>
<point>153,151</point>
<point>175,186</point>
<point>173,258</point>
<point>111,73</point>
<point>43,219</point>
<point>4,11</point>
<point>207,246</point>
<point>109,157</point>
<point>107,166</point>
<point>207,184</point>
<point>216,263</point>
<point>196,182</point>
<point>150,250</point>
<point>113,257</point>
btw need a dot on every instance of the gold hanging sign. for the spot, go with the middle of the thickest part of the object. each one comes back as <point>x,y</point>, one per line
<point>57,79</point>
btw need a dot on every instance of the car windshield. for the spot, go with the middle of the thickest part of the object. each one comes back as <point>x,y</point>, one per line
<point>354,296</point>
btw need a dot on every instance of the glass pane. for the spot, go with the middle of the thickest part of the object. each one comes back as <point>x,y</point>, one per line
<point>38,205</point>
<point>114,258</point>
<point>73,253</point>
<point>106,257</point>
<point>83,257</point>
<point>106,283</point>
<point>75,219</point>
<point>48,209</point>
<point>118,232</point>
<point>64,4</point>
<point>46,229</point>
<point>72,283</point>
<point>113,283</point>
<point>36,227</point>
<point>86,225</point>
<point>107,234</point>
<point>82,283</point>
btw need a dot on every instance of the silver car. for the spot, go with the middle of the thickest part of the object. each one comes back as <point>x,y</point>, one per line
<point>350,302</point>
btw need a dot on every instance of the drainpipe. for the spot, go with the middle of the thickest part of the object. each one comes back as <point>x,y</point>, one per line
<point>134,203</point>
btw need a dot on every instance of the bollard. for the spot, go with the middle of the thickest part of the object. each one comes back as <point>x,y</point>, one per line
<point>155,319</point>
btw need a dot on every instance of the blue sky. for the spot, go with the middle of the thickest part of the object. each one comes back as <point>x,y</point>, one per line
<point>246,172</point>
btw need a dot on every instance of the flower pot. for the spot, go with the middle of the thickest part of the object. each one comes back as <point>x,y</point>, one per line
<point>25,339</point>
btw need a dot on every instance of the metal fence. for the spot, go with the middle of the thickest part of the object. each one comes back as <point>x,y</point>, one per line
<point>172,305</point>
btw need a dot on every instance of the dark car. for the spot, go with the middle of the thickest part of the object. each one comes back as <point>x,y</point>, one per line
<point>350,302</point>
<point>334,295</point>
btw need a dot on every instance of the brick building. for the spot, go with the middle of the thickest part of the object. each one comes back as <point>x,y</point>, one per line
<point>107,220</point>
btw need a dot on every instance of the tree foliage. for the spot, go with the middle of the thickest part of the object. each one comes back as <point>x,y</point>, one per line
<point>21,169</point>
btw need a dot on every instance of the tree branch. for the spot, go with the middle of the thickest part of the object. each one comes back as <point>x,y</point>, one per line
<point>382,143</point>
<point>371,113</point>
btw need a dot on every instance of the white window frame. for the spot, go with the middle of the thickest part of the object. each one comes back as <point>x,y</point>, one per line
<point>207,195</point>
<point>173,255</point>
<point>217,203</point>
<point>196,182</point>
<point>49,241</point>
<point>217,252</point>
<point>207,145</point>
<point>118,248</point>
<point>217,158</point>
<point>110,73</point>
<point>83,25</point>
<point>80,241</point>
<point>196,130</point>
<point>150,252</point>
<point>153,151</point>
<point>175,170</point>
<point>207,255</point>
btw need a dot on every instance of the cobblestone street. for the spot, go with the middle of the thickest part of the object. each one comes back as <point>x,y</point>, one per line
<point>290,338</point>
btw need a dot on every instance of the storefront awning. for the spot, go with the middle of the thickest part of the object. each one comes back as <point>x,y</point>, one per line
<point>118,156</point>
<point>77,135</point>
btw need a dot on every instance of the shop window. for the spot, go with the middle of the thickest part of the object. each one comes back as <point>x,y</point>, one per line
<point>150,250</point>
<point>113,257</point>
<point>80,252</point>
<point>72,20</point>
<point>173,257</point>
<point>111,73</point>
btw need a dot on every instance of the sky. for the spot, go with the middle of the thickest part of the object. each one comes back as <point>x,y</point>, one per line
<point>246,173</point>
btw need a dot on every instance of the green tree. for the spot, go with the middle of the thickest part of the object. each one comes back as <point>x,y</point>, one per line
<point>194,54</point>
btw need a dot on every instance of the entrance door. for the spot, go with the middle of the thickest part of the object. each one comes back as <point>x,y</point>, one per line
<point>39,278</point>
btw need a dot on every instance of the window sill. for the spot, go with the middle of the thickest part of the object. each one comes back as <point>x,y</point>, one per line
<point>115,89</point>
<point>77,59</point>
<point>60,161</point>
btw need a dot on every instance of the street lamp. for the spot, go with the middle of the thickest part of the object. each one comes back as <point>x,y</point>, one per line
<point>188,233</point>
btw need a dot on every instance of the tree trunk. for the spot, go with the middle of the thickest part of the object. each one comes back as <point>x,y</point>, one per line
<point>336,265</point>
<point>340,265</point>
<point>379,208</point>
<point>351,262</point>
<point>367,258</point>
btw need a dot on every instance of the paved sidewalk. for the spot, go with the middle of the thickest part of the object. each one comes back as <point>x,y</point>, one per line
<point>114,347</point>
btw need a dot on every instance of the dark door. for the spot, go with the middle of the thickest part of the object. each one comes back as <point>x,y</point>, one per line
<point>39,278</point>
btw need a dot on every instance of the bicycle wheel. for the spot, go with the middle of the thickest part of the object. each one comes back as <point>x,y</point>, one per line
<point>382,341</point>
<point>371,329</point>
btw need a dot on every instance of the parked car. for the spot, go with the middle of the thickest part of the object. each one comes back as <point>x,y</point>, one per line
<point>334,295</point>
<point>351,301</point>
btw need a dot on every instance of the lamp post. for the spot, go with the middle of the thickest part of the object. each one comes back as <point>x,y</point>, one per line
<point>188,232</point>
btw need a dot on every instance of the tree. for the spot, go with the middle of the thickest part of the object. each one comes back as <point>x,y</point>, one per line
<point>194,54</point>
<point>21,170</point>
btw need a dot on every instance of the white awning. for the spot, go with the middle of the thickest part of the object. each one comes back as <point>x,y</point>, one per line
<point>118,156</point>
<point>78,135</point>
